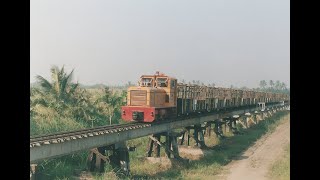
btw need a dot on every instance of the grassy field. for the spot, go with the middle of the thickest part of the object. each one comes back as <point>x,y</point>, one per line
<point>223,151</point>
<point>280,169</point>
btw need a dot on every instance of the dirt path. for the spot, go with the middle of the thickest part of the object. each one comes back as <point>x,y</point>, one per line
<point>253,164</point>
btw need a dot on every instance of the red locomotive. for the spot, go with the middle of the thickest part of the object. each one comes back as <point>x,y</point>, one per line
<point>154,98</point>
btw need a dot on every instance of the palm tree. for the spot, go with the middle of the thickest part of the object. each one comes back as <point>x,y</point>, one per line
<point>283,86</point>
<point>60,97</point>
<point>263,84</point>
<point>129,83</point>
<point>278,85</point>
<point>244,88</point>
<point>61,86</point>
<point>271,83</point>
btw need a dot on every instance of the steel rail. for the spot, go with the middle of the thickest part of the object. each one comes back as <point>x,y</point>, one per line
<point>77,134</point>
<point>67,144</point>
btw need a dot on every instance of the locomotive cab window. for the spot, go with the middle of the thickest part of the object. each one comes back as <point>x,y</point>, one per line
<point>146,82</point>
<point>162,82</point>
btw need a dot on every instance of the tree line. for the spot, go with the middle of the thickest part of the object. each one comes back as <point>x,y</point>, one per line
<point>273,86</point>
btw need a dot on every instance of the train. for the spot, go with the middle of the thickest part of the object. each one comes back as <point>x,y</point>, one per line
<point>160,97</point>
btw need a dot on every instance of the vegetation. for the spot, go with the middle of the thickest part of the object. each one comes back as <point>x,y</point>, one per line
<point>277,86</point>
<point>61,105</point>
<point>281,168</point>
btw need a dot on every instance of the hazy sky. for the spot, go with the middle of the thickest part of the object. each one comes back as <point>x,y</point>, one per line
<point>227,42</point>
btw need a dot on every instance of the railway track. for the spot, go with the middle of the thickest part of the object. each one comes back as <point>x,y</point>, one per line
<point>85,133</point>
<point>55,138</point>
<point>55,145</point>
<point>36,141</point>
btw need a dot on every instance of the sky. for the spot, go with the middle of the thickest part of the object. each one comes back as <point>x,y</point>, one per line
<point>226,42</point>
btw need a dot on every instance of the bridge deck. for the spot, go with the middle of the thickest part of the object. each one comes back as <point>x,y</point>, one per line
<point>72,146</point>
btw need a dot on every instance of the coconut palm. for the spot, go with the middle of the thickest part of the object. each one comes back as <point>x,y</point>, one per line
<point>60,87</point>
<point>263,84</point>
<point>277,86</point>
<point>283,86</point>
<point>58,95</point>
<point>271,83</point>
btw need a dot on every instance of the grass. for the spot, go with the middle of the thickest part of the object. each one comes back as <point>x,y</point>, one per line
<point>280,169</point>
<point>42,126</point>
<point>62,167</point>
<point>208,166</point>
<point>223,151</point>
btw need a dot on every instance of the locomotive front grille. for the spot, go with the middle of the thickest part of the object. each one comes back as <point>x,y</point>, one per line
<point>138,97</point>
<point>137,115</point>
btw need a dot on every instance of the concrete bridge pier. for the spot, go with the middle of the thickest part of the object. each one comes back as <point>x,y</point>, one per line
<point>170,145</point>
<point>153,146</point>
<point>185,138</point>
<point>198,135</point>
<point>218,128</point>
<point>262,115</point>
<point>243,120</point>
<point>266,114</point>
<point>33,172</point>
<point>97,159</point>
<point>233,124</point>
<point>119,158</point>
<point>251,119</point>
<point>274,110</point>
<point>224,125</point>
<point>269,111</point>
<point>208,129</point>
<point>228,124</point>
<point>255,117</point>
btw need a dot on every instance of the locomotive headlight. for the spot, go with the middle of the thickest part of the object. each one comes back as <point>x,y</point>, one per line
<point>123,112</point>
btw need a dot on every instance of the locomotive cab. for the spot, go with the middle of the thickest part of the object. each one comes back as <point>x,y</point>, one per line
<point>153,99</point>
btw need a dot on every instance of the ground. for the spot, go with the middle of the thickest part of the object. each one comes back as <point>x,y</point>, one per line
<point>255,162</point>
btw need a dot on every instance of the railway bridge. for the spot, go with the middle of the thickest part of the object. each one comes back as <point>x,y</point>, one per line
<point>113,137</point>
